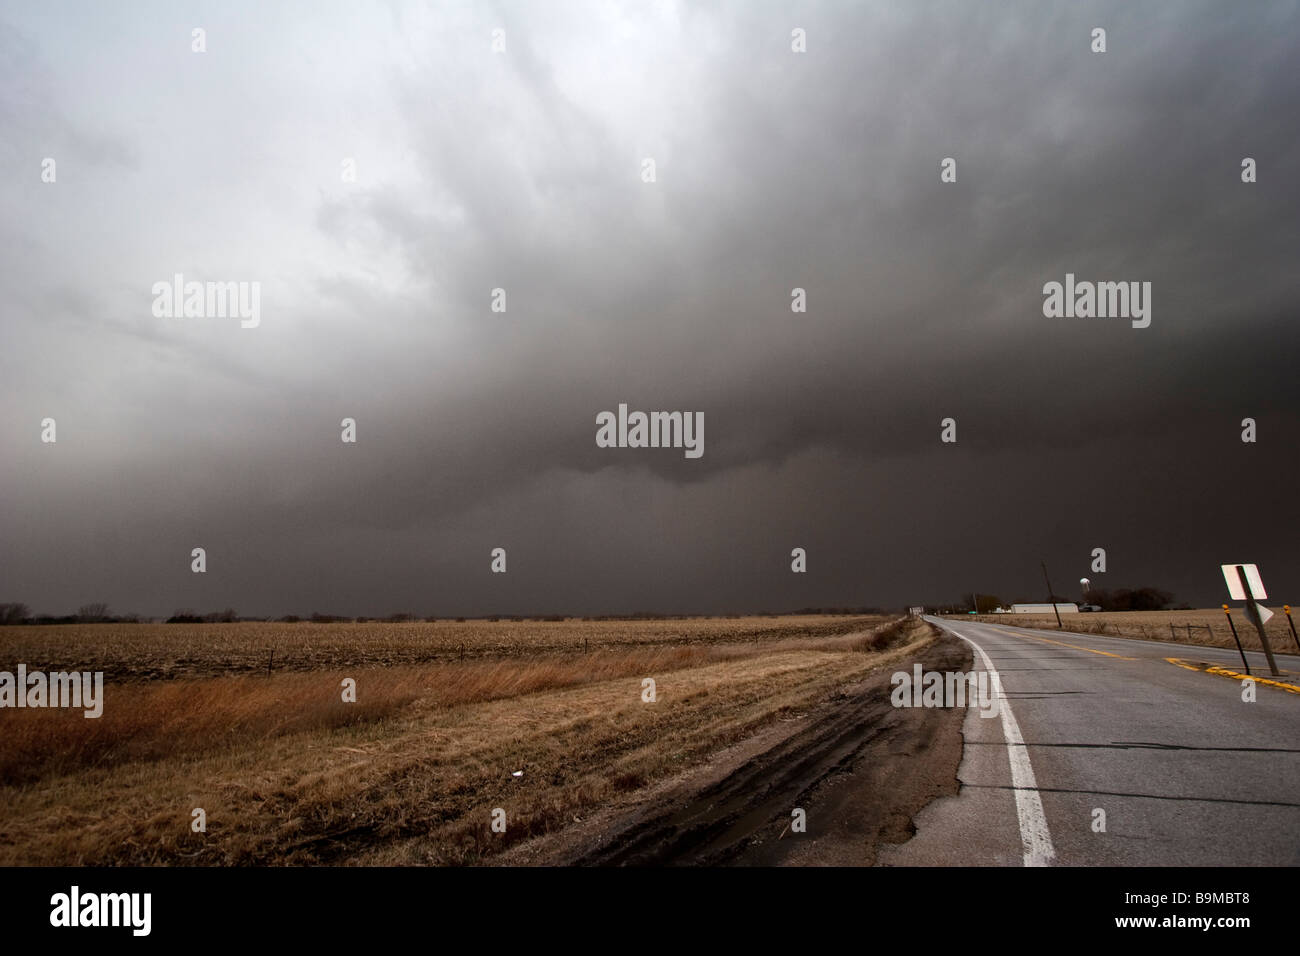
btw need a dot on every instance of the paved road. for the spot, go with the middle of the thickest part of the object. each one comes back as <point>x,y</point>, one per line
<point>1185,771</point>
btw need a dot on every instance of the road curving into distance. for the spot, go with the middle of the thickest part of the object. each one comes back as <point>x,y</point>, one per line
<point>1184,770</point>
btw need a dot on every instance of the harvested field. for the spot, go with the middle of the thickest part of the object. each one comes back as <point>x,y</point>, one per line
<point>168,651</point>
<point>286,773</point>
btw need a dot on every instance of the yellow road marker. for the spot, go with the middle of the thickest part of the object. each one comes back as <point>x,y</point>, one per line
<point>1224,672</point>
<point>1048,640</point>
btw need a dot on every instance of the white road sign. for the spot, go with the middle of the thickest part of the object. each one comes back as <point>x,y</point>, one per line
<point>1234,582</point>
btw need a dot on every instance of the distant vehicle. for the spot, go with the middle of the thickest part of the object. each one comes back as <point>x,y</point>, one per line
<point>1089,607</point>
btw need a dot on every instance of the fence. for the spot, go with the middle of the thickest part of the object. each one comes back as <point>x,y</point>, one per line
<point>1148,625</point>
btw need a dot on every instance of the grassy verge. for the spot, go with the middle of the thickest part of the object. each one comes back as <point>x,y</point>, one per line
<point>287,773</point>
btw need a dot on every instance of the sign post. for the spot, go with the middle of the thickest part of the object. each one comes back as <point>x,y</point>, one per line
<point>1287,608</point>
<point>1245,584</point>
<point>1244,663</point>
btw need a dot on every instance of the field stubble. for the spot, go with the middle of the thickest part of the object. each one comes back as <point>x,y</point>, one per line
<point>288,773</point>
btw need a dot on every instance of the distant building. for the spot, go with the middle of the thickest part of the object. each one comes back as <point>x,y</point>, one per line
<point>1043,608</point>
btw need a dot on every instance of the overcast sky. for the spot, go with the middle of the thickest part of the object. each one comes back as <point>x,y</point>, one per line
<point>523,170</point>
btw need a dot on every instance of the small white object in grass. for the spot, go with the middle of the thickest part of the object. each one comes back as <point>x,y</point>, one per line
<point>517,773</point>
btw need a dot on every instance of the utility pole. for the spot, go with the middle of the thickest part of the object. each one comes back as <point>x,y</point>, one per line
<point>1052,597</point>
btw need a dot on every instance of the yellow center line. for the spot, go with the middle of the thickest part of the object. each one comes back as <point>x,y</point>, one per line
<point>1048,640</point>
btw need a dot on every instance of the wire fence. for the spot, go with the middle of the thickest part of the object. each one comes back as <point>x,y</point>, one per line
<point>1152,628</point>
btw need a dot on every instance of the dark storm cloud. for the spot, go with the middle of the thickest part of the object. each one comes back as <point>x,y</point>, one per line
<point>521,171</point>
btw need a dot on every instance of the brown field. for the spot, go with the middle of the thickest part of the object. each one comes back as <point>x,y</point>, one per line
<point>165,651</point>
<point>1208,626</point>
<point>288,773</point>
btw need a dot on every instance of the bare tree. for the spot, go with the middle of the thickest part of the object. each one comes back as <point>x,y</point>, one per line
<point>14,613</point>
<point>92,613</point>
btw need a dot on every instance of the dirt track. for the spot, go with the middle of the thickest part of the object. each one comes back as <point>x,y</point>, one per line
<point>860,768</point>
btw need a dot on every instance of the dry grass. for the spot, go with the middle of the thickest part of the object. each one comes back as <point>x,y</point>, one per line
<point>148,721</point>
<point>1207,627</point>
<point>289,774</point>
<point>419,787</point>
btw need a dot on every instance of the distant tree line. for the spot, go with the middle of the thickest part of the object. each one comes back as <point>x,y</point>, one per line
<point>98,613</point>
<point>1120,599</point>
<point>228,616</point>
<point>19,613</point>
<point>1125,599</point>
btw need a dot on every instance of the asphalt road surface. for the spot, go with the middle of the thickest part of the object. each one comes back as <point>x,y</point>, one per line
<point>1184,770</point>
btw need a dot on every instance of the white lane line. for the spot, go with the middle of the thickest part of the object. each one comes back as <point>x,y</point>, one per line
<point>1034,835</point>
